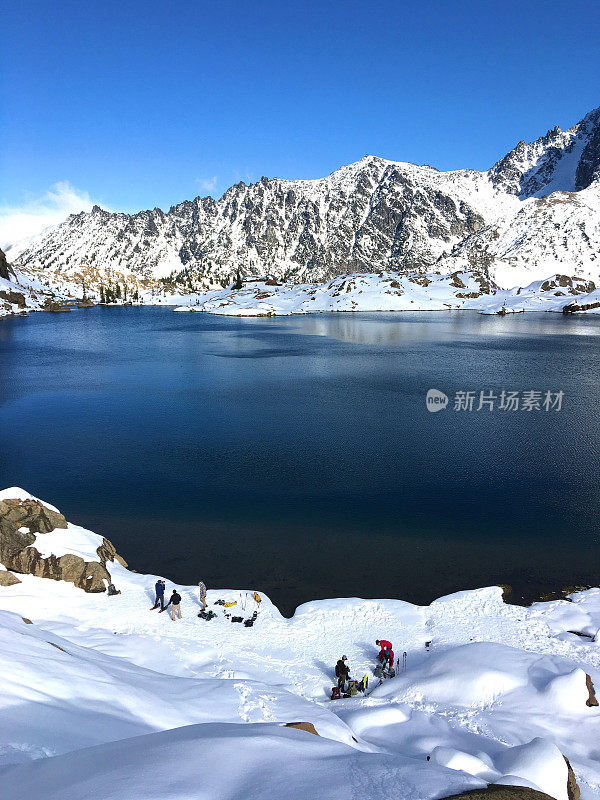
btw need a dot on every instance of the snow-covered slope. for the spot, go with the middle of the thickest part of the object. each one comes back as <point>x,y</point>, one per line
<point>365,217</point>
<point>101,696</point>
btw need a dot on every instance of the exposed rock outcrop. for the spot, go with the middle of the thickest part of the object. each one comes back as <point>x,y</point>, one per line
<point>53,306</point>
<point>30,514</point>
<point>592,700</point>
<point>21,520</point>
<point>573,790</point>
<point>495,792</point>
<point>14,298</point>
<point>5,270</point>
<point>7,578</point>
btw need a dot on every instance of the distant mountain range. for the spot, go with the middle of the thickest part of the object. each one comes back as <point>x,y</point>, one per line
<point>535,213</point>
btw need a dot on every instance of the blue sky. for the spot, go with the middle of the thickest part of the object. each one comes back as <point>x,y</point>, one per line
<point>143,104</point>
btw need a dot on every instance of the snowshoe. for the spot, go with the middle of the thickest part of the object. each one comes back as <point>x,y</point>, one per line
<point>237,619</point>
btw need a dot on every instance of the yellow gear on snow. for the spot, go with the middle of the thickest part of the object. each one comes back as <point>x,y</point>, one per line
<point>257,597</point>
<point>228,605</point>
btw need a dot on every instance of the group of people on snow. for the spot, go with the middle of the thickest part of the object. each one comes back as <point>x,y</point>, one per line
<point>347,687</point>
<point>175,599</point>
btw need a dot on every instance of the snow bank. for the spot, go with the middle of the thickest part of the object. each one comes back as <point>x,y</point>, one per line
<point>229,762</point>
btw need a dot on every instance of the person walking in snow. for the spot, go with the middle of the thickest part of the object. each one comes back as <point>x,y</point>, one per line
<point>159,589</point>
<point>342,672</point>
<point>175,603</point>
<point>202,592</point>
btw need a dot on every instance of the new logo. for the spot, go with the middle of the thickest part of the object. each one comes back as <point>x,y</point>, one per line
<point>436,400</point>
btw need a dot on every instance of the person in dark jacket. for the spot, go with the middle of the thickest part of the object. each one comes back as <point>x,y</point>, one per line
<point>175,603</point>
<point>159,588</point>
<point>342,672</point>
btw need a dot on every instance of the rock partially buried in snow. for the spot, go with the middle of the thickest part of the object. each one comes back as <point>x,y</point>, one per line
<point>303,726</point>
<point>494,792</point>
<point>573,790</point>
<point>26,528</point>
<point>7,578</point>
<point>592,700</point>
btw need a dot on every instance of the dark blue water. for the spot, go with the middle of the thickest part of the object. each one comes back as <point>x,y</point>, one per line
<point>296,454</point>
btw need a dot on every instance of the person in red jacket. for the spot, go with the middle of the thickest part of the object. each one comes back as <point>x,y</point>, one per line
<point>386,654</point>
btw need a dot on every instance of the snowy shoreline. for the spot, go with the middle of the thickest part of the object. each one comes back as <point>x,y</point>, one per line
<point>101,694</point>
<point>391,291</point>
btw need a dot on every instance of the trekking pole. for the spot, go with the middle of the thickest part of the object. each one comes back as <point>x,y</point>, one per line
<point>403,661</point>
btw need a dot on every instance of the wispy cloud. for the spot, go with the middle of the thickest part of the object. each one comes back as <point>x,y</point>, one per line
<point>207,184</point>
<point>35,214</point>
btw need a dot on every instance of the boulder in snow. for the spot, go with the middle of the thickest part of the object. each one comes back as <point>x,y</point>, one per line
<point>501,793</point>
<point>7,578</point>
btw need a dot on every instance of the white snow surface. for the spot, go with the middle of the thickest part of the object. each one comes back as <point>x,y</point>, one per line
<point>103,697</point>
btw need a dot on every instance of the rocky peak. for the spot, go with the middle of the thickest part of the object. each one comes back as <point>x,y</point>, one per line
<point>588,168</point>
<point>532,168</point>
<point>5,270</point>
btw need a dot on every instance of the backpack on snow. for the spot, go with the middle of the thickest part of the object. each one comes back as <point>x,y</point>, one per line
<point>335,693</point>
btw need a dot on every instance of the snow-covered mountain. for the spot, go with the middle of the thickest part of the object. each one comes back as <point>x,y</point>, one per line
<point>536,212</point>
